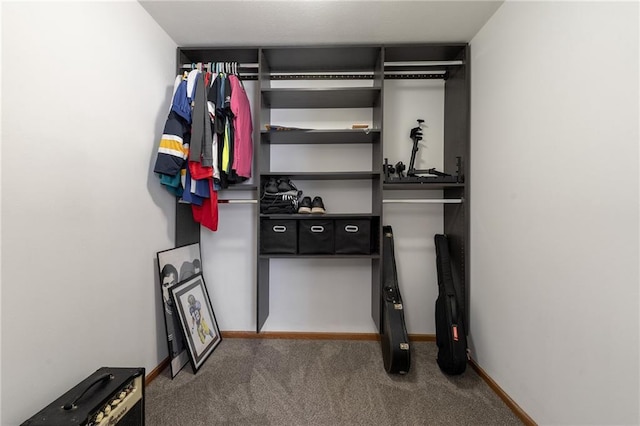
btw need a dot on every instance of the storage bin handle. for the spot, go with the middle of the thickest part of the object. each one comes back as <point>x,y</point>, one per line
<point>317,228</point>
<point>279,228</point>
<point>351,228</point>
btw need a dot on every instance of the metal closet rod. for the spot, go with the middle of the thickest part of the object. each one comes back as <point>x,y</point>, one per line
<point>204,64</point>
<point>249,72</point>
<point>234,201</point>
<point>386,64</point>
<point>425,201</point>
<point>394,76</point>
<point>422,63</point>
<point>390,201</point>
<point>346,74</point>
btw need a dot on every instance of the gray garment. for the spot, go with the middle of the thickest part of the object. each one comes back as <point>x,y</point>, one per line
<point>201,146</point>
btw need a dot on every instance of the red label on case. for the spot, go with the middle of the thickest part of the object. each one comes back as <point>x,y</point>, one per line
<point>455,332</point>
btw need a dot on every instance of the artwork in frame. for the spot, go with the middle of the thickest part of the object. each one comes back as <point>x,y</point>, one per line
<point>198,321</point>
<point>176,265</point>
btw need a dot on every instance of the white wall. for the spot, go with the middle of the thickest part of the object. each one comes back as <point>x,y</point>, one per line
<point>554,230</point>
<point>1,47</point>
<point>85,92</point>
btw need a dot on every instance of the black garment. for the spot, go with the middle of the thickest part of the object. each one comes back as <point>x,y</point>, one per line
<point>200,149</point>
<point>280,202</point>
<point>220,96</point>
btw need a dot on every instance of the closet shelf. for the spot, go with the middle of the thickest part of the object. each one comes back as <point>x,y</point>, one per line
<point>326,175</point>
<point>319,216</point>
<point>425,52</point>
<point>321,58</point>
<point>337,97</point>
<point>320,256</point>
<point>329,136</point>
<point>420,186</point>
<point>240,187</point>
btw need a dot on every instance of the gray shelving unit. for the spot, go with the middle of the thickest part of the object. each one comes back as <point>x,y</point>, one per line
<point>357,62</point>
<point>335,63</point>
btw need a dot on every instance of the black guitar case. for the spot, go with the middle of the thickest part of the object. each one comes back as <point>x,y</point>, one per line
<point>451,336</point>
<point>394,340</point>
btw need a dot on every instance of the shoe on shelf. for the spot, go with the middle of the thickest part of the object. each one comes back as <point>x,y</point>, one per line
<point>284,185</point>
<point>271,187</point>
<point>317,206</point>
<point>304,206</point>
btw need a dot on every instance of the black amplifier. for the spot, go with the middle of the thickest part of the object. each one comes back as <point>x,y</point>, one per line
<point>110,396</point>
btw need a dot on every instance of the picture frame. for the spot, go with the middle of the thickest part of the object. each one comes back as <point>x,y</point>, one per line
<point>197,319</point>
<point>175,265</point>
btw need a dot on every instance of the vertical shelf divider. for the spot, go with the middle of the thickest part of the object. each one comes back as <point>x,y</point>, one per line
<point>264,162</point>
<point>376,193</point>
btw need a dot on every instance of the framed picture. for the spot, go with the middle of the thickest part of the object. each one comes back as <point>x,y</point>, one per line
<point>199,326</point>
<point>176,265</point>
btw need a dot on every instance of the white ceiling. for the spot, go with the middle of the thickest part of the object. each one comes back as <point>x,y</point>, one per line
<point>270,23</point>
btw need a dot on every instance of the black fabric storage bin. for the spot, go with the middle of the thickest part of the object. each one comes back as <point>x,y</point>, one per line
<point>315,236</point>
<point>353,236</point>
<point>278,236</point>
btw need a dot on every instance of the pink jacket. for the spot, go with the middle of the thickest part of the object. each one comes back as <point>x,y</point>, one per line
<point>243,135</point>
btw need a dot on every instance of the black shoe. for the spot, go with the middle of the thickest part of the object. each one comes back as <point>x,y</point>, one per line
<point>271,186</point>
<point>284,185</point>
<point>317,206</point>
<point>304,206</point>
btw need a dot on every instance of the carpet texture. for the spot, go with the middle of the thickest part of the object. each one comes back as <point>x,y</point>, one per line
<point>320,382</point>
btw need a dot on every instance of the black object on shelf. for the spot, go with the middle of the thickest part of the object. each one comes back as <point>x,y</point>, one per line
<point>279,195</point>
<point>414,175</point>
<point>417,176</point>
<point>315,237</point>
<point>353,236</point>
<point>278,236</point>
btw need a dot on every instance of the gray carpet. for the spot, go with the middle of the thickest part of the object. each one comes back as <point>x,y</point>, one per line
<point>319,382</point>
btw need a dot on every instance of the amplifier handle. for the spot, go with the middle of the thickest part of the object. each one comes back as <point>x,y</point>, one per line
<point>102,378</point>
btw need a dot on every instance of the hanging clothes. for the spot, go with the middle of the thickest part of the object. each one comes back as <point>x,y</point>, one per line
<point>180,103</point>
<point>189,194</point>
<point>243,125</point>
<point>200,149</point>
<point>207,214</point>
<point>207,140</point>
<point>174,145</point>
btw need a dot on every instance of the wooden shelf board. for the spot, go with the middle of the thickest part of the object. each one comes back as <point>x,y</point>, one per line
<point>420,186</point>
<point>320,256</point>
<point>298,216</point>
<point>339,97</point>
<point>321,58</point>
<point>240,187</point>
<point>325,175</point>
<point>317,136</point>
